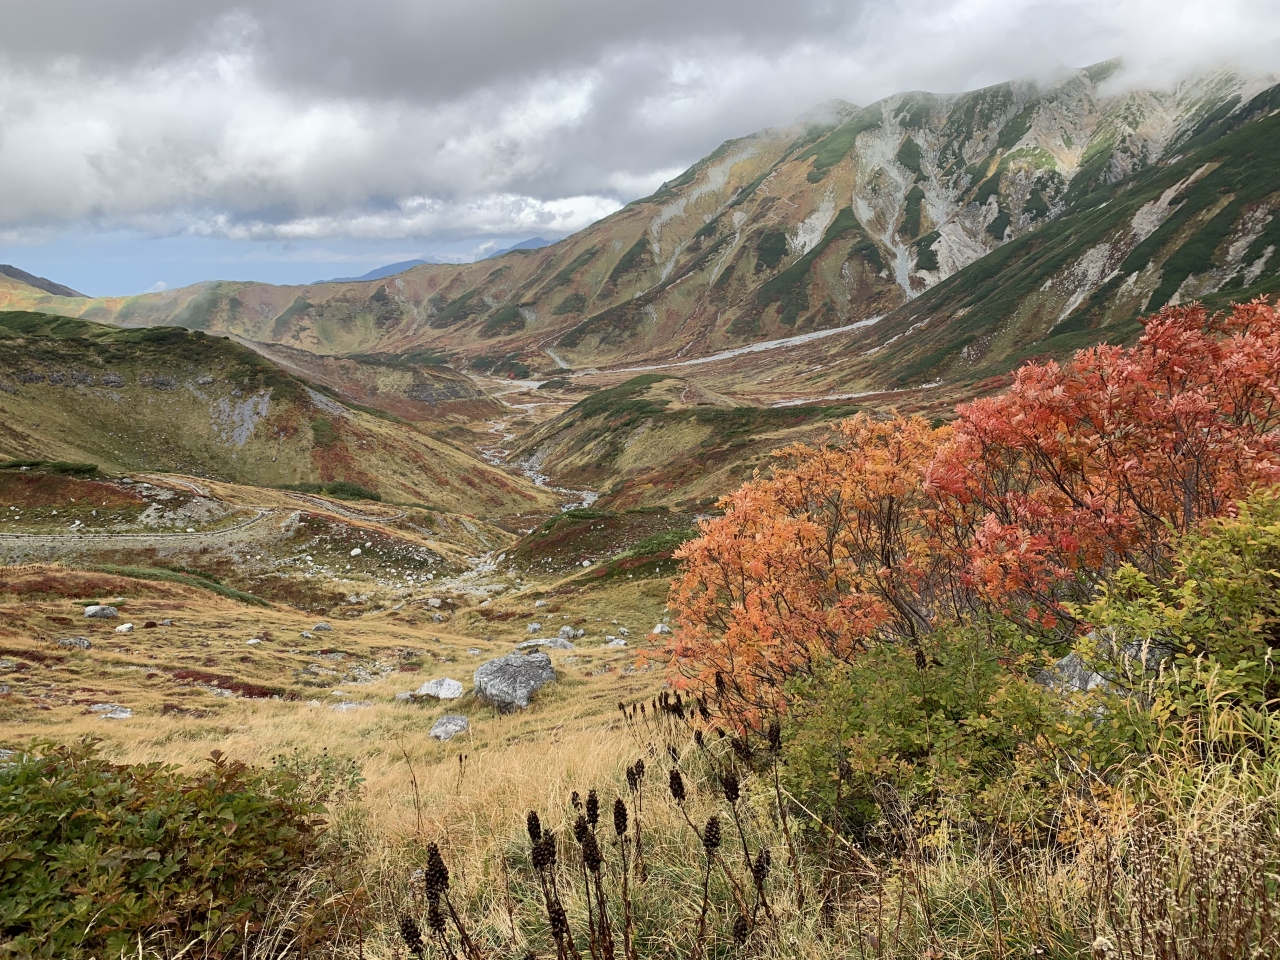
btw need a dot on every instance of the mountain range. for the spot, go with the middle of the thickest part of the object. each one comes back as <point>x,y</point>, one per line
<point>906,253</point>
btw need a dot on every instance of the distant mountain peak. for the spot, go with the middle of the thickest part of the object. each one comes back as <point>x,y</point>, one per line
<point>40,283</point>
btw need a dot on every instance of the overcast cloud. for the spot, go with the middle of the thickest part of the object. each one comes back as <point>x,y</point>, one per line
<point>368,129</point>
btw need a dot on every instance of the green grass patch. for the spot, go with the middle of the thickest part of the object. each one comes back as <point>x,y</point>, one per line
<point>835,146</point>
<point>162,575</point>
<point>60,467</point>
<point>573,303</point>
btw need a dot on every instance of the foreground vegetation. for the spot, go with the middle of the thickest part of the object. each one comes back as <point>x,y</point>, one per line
<point>1004,688</point>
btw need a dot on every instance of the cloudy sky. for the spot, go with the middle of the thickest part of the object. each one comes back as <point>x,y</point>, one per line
<point>147,142</point>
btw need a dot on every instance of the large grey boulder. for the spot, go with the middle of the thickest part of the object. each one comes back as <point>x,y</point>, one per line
<point>449,726</point>
<point>509,681</point>
<point>1111,667</point>
<point>441,689</point>
<point>76,643</point>
<point>101,611</point>
<point>566,633</point>
<point>551,643</point>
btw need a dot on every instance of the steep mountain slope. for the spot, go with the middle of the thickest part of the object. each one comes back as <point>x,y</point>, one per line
<point>168,399</point>
<point>879,216</point>
<point>38,283</point>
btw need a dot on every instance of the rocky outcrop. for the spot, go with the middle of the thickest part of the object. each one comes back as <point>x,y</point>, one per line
<point>508,682</point>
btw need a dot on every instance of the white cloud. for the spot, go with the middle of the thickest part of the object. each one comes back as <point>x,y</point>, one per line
<point>157,287</point>
<point>405,120</point>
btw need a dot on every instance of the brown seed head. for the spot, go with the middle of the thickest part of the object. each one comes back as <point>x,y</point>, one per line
<point>619,817</point>
<point>677,786</point>
<point>711,835</point>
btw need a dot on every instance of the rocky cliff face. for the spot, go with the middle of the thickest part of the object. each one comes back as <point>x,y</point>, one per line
<point>854,214</point>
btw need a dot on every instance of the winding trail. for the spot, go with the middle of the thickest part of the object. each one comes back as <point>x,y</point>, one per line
<point>134,539</point>
<point>759,347</point>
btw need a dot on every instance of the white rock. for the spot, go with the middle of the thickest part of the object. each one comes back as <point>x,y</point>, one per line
<point>449,726</point>
<point>616,642</point>
<point>355,552</point>
<point>322,627</point>
<point>101,611</point>
<point>442,689</point>
<point>539,604</point>
<point>348,705</point>
<point>566,633</point>
<point>624,632</point>
<point>125,628</point>
<point>191,529</point>
<point>119,713</point>
<point>533,628</point>
<point>586,563</point>
<point>254,642</point>
<point>661,628</point>
<point>553,643</point>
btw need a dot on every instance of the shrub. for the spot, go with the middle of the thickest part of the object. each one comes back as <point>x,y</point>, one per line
<point>96,856</point>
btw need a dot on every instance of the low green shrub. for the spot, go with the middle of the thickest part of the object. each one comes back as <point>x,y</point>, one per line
<point>96,857</point>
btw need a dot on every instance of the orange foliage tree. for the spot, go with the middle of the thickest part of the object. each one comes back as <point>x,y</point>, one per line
<point>1096,462</point>
<point>1029,501</point>
<point>831,552</point>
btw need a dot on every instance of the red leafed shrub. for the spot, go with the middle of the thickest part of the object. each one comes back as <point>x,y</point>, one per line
<point>1096,462</point>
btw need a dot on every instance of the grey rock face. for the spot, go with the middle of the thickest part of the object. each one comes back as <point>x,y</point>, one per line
<point>101,611</point>
<point>552,643</point>
<point>76,643</point>
<point>449,726</point>
<point>509,681</point>
<point>441,689</point>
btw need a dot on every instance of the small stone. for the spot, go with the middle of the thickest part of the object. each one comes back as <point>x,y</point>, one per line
<point>355,552</point>
<point>586,563</point>
<point>166,623</point>
<point>624,632</point>
<point>533,628</point>
<point>125,628</point>
<point>191,529</point>
<point>348,705</point>
<point>616,642</point>
<point>661,628</point>
<point>441,689</point>
<point>566,633</point>
<point>322,627</point>
<point>119,713</point>
<point>306,635</point>
<point>554,643</point>
<point>540,604</point>
<point>473,651</point>
<point>254,642</point>
<point>449,726</point>
<point>101,611</point>
<point>77,643</point>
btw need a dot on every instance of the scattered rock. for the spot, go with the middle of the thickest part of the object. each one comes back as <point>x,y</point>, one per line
<point>77,643</point>
<point>586,563</point>
<point>449,726</point>
<point>624,632</point>
<point>404,697</point>
<point>254,642</point>
<point>533,628</point>
<point>306,635</point>
<point>111,711</point>
<point>473,651</point>
<point>125,628</point>
<point>661,628</point>
<point>101,611</point>
<point>321,627</point>
<point>554,643</point>
<point>566,633</point>
<point>616,642</point>
<point>539,604</point>
<point>509,681</point>
<point>441,689</point>
<point>346,706</point>
<point>579,633</point>
<point>355,552</point>
<point>166,623</point>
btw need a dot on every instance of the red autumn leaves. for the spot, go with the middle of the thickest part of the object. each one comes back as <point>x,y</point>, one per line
<point>1027,500</point>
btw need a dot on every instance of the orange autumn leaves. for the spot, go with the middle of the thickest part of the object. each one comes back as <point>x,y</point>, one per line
<point>1028,500</point>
